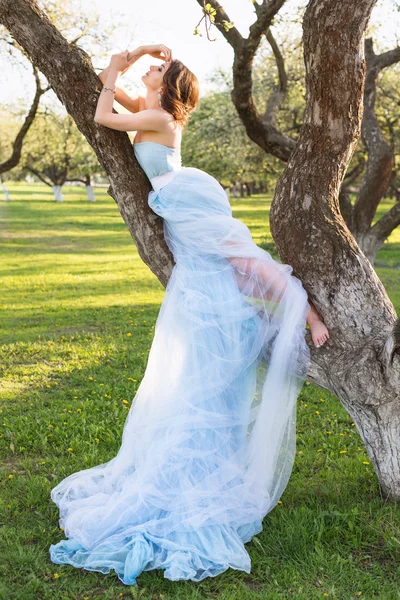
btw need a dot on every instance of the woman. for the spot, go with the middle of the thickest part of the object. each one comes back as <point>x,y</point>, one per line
<point>209,442</point>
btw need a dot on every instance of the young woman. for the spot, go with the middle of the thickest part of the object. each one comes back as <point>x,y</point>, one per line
<point>209,442</point>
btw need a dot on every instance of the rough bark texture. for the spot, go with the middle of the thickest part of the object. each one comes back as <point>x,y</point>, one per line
<point>359,363</point>
<point>69,71</point>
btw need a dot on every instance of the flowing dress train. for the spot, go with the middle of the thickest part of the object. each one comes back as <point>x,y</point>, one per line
<point>209,441</point>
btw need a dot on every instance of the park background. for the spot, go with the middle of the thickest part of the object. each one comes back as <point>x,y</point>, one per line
<point>78,310</point>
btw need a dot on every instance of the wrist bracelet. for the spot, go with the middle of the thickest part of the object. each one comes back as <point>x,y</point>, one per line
<point>107,88</point>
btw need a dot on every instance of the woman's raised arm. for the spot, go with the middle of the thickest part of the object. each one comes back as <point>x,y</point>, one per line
<point>121,96</point>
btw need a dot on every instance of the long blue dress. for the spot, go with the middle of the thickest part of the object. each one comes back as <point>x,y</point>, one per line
<point>209,442</point>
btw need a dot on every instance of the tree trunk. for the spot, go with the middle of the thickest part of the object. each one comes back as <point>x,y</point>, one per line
<point>90,193</point>
<point>58,197</point>
<point>359,363</point>
<point>5,191</point>
<point>69,71</point>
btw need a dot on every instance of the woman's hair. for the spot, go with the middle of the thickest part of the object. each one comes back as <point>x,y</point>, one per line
<point>180,91</point>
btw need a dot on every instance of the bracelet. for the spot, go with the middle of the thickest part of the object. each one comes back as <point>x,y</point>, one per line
<point>107,88</point>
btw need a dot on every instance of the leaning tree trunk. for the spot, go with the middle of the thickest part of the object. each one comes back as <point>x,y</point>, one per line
<point>69,71</point>
<point>359,362</point>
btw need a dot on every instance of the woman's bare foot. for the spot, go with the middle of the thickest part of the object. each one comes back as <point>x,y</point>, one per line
<point>319,331</point>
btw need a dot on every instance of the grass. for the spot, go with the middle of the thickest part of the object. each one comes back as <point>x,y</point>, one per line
<point>78,309</point>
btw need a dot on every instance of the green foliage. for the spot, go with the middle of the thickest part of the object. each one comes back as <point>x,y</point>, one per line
<point>56,150</point>
<point>216,141</point>
<point>78,314</point>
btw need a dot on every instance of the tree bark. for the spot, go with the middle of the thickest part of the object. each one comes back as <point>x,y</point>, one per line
<point>360,362</point>
<point>69,71</point>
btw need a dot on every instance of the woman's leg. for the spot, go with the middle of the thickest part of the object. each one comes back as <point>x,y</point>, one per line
<point>259,279</point>
<point>319,331</point>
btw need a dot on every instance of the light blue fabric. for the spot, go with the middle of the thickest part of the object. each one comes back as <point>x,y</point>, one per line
<point>156,159</point>
<point>209,441</point>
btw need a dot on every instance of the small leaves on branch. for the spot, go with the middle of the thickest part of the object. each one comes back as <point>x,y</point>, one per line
<point>209,14</point>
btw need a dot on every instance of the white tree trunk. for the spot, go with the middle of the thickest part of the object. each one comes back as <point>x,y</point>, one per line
<point>90,193</point>
<point>57,193</point>
<point>6,194</point>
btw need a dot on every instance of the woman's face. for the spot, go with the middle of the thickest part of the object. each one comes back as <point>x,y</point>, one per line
<point>154,77</point>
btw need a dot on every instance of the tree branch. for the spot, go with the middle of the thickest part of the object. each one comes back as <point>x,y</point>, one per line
<point>15,157</point>
<point>38,175</point>
<point>278,94</point>
<point>380,155</point>
<point>387,59</point>
<point>264,134</point>
<point>386,224</point>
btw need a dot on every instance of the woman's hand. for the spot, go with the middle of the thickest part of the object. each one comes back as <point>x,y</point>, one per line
<point>158,51</point>
<point>122,61</point>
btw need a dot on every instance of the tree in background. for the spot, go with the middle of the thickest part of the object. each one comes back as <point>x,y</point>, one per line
<point>78,27</point>
<point>56,152</point>
<point>260,117</point>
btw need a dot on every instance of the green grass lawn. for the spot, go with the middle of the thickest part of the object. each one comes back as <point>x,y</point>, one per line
<point>77,310</point>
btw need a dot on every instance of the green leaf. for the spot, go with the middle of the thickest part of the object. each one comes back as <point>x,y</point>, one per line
<point>227,24</point>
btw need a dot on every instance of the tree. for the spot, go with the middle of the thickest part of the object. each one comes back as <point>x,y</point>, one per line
<point>262,128</point>
<point>360,363</point>
<point>216,142</point>
<point>83,28</point>
<point>13,160</point>
<point>379,165</point>
<point>56,152</point>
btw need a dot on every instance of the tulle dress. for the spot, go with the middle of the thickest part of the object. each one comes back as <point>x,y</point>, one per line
<point>209,442</point>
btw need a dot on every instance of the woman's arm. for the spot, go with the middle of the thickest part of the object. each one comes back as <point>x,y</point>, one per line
<point>148,120</point>
<point>159,51</point>
<point>132,104</point>
<point>145,120</point>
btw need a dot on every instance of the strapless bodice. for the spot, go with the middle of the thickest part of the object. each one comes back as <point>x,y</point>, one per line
<point>156,159</point>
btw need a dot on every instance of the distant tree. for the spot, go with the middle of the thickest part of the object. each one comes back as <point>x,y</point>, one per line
<point>56,152</point>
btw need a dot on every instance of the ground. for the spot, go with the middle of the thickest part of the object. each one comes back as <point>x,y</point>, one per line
<point>77,313</point>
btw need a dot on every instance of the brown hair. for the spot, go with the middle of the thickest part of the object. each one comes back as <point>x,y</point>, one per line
<point>180,91</point>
